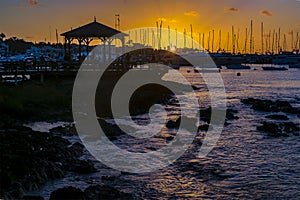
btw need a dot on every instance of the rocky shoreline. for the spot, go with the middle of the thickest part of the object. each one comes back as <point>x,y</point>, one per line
<point>275,125</point>
<point>32,158</point>
<point>29,158</point>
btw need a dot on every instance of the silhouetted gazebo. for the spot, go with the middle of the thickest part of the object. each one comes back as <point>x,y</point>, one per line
<point>87,33</point>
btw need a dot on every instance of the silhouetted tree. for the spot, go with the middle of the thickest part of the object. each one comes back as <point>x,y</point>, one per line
<point>17,46</point>
<point>2,36</point>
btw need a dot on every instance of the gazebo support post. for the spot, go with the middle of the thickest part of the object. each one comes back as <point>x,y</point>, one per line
<point>69,40</point>
<point>103,40</point>
<point>123,51</point>
<point>87,42</point>
<point>109,48</point>
<point>65,47</point>
<point>79,48</point>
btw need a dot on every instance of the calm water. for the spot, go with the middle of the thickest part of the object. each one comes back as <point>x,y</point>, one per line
<point>245,164</point>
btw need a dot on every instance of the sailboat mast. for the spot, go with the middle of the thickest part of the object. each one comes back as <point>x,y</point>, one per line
<point>203,42</point>
<point>160,34</point>
<point>213,40</point>
<point>169,37</point>
<point>269,38</point>
<point>292,35</point>
<point>148,30</point>
<point>184,38</point>
<point>297,40</point>
<point>262,38</point>
<point>273,38</point>
<point>176,37</point>
<point>233,40</point>
<point>199,41</point>
<point>192,36</point>
<point>157,34</point>
<point>227,46</point>
<point>276,42</point>
<point>284,42</point>
<point>279,48</point>
<point>220,38</point>
<point>237,40</point>
<point>251,37</point>
<point>153,39</point>
<point>208,42</point>
<point>246,39</point>
<point>56,34</point>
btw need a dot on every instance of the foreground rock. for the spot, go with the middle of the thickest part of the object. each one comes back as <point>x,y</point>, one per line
<point>277,117</point>
<point>29,159</point>
<point>279,129</point>
<point>271,106</point>
<point>67,193</point>
<point>96,192</point>
<point>99,192</point>
<point>205,116</point>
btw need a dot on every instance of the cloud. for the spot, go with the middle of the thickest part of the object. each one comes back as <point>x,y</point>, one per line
<point>33,2</point>
<point>191,13</point>
<point>266,13</point>
<point>28,3</point>
<point>231,10</point>
<point>21,6</point>
<point>161,19</point>
<point>173,20</point>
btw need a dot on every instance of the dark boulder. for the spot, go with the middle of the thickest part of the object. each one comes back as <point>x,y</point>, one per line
<point>77,149</point>
<point>205,115</point>
<point>277,117</point>
<point>196,87</point>
<point>285,106</point>
<point>69,130</point>
<point>278,129</point>
<point>173,124</point>
<point>271,106</point>
<point>248,100</point>
<point>269,127</point>
<point>203,127</point>
<point>67,193</point>
<point>230,114</point>
<point>169,138</point>
<point>31,197</point>
<point>83,167</point>
<point>29,159</point>
<point>100,192</point>
<point>289,127</point>
<point>264,105</point>
<point>5,181</point>
<point>185,122</point>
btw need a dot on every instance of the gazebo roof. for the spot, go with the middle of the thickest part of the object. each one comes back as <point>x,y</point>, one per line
<point>92,30</point>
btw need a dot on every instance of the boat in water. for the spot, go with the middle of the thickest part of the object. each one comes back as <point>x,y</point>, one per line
<point>238,66</point>
<point>295,65</point>
<point>276,67</point>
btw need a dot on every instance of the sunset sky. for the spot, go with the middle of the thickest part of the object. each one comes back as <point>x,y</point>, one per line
<point>32,20</point>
